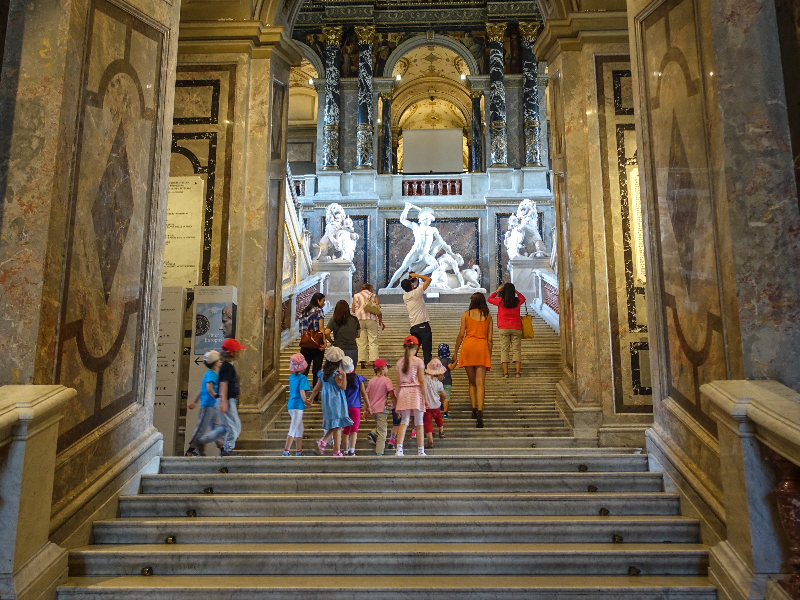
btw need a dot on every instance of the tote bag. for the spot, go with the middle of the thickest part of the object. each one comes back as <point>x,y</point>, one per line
<point>527,325</point>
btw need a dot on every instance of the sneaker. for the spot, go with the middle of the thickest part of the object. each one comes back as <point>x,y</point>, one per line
<point>299,454</point>
<point>338,453</point>
<point>445,415</point>
<point>321,445</point>
<point>421,451</point>
<point>372,438</point>
<point>191,452</point>
<point>350,453</point>
<point>391,443</point>
<point>413,433</point>
<point>399,452</point>
<point>286,453</point>
<point>228,453</point>
<point>376,454</point>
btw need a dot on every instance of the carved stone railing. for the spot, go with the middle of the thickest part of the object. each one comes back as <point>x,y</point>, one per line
<point>431,187</point>
<point>299,187</point>
<point>759,442</point>
<point>294,300</point>
<point>545,299</point>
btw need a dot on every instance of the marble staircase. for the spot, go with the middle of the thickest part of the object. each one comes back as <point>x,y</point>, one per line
<point>516,510</point>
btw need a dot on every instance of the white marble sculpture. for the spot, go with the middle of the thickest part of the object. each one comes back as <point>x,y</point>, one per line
<point>522,237</point>
<point>347,238</point>
<point>424,257</point>
<point>330,247</point>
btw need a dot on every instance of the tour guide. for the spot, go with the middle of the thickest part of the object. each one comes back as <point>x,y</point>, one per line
<point>414,298</point>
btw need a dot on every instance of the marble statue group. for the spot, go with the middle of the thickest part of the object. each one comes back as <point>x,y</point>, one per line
<point>522,238</point>
<point>339,240</point>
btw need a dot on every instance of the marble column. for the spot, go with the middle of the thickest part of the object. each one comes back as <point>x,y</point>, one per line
<point>330,138</point>
<point>530,95</point>
<point>364,131</point>
<point>386,154</point>
<point>497,96</point>
<point>396,133</point>
<point>476,146</point>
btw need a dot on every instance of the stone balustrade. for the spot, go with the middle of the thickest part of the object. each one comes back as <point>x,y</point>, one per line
<point>759,452</point>
<point>545,298</point>
<point>431,187</point>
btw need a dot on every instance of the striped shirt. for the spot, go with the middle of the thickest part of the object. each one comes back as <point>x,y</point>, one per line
<point>359,300</point>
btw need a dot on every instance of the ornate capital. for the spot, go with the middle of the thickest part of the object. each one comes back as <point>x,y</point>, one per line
<point>366,34</point>
<point>529,31</point>
<point>476,93</point>
<point>495,31</point>
<point>387,96</point>
<point>332,35</point>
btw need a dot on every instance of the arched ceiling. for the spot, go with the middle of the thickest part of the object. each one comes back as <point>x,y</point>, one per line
<point>430,61</point>
<point>432,114</point>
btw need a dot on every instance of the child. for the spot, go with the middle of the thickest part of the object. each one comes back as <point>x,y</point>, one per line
<point>380,393</point>
<point>207,417</point>
<point>447,380</point>
<point>410,392</point>
<point>331,384</point>
<point>354,393</point>
<point>298,386</point>
<point>434,396</point>
<point>227,403</point>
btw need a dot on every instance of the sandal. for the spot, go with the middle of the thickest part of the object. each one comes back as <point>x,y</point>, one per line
<point>442,435</point>
<point>505,375</point>
<point>518,375</point>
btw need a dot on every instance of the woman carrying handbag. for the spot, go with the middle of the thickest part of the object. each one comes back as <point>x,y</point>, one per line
<point>312,334</point>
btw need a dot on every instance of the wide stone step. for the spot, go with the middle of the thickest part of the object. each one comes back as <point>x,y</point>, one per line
<point>392,587</point>
<point>495,433</point>
<point>387,504</point>
<point>360,483</point>
<point>420,529</point>
<point>540,460</point>
<point>390,559</point>
<point>479,445</point>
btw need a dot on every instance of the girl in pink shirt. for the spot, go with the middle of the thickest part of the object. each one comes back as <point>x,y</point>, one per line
<point>410,392</point>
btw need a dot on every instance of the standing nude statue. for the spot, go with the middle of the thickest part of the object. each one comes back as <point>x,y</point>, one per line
<point>421,258</point>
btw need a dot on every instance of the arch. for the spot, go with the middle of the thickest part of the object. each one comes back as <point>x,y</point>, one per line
<point>420,89</point>
<point>422,40</point>
<point>312,57</point>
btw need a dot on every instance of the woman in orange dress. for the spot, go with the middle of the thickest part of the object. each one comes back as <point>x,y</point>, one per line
<point>474,351</point>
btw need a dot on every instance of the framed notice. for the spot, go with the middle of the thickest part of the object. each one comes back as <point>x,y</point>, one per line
<point>183,246</point>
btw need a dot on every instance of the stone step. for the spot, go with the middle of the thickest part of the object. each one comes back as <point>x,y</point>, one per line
<point>389,559</point>
<point>495,433</point>
<point>399,482</point>
<point>394,587</point>
<point>465,504</point>
<point>421,529</point>
<point>479,445</point>
<point>540,460</point>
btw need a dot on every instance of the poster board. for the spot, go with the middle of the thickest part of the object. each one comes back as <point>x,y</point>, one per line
<point>433,151</point>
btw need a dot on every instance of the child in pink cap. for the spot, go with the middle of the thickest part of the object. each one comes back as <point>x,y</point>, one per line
<point>298,386</point>
<point>380,392</point>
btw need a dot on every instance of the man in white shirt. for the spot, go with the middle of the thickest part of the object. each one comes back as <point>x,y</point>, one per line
<point>414,298</point>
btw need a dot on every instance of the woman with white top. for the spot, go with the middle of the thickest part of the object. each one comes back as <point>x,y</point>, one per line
<point>368,340</point>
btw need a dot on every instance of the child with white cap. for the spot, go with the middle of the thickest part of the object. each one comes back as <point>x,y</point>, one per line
<point>207,416</point>
<point>354,393</point>
<point>330,385</point>
<point>434,397</point>
<point>298,386</point>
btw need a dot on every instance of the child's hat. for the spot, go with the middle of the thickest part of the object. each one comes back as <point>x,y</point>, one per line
<point>410,341</point>
<point>379,363</point>
<point>435,367</point>
<point>297,363</point>
<point>232,345</point>
<point>444,351</point>
<point>347,365</point>
<point>334,354</point>
<point>211,357</point>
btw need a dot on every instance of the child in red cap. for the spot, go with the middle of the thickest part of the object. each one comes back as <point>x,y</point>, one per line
<point>380,393</point>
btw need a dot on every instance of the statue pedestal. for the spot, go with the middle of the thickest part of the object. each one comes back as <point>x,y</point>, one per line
<point>432,295</point>
<point>340,280</point>
<point>522,276</point>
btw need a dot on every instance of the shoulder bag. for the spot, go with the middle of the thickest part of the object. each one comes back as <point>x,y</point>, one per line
<point>371,307</point>
<point>527,325</point>
<point>312,338</point>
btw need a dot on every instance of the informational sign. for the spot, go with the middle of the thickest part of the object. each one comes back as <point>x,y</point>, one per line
<point>637,229</point>
<point>168,370</point>
<point>214,322</point>
<point>185,224</point>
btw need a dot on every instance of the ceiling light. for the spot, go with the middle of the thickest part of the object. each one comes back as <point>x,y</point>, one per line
<point>463,77</point>
<point>398,77</point>
<point>310,81</point>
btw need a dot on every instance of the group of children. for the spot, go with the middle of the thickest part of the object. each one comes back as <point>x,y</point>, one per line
<point>421,392</point>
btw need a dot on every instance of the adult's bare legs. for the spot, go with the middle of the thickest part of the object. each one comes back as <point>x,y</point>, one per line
<point>480,386</point>
<point>472,386</point>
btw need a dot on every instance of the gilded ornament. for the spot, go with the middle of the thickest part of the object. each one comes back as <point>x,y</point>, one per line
<point>495,31</point>
<point>366,34</point>
<point>529,31</point>
<point>332,35</point>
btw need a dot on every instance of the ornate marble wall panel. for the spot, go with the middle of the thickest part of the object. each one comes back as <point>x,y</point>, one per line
<point>202,144</point>
<point>361,261</point>
<point>463,235</point>
<point>348,124</point>
<point>110,250</point>
<point>682,199</point>
<point>632,391</point>
<point>514,120</point>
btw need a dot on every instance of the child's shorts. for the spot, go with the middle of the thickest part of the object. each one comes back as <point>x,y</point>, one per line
<point>355,417</point>
<point>447,391</point>
<point>395,418</point>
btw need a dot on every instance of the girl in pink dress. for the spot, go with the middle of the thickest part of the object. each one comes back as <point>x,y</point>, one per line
<point>410,393</point>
